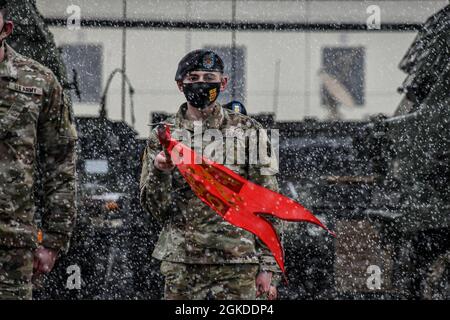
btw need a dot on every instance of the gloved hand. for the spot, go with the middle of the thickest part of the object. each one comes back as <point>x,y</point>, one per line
<point>163,163</point>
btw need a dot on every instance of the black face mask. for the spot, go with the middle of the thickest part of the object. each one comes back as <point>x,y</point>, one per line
<point>201,94</point>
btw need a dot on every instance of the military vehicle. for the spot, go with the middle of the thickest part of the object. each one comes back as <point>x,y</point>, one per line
<point>382,185</point>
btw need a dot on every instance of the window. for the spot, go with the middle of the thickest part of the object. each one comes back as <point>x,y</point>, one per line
<point>342,76</point>
<point>236,84</point>
<point>86,60</point>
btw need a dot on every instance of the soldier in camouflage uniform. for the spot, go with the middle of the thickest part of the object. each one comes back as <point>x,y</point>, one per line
<point>203,256</point>
<point>36,131</point>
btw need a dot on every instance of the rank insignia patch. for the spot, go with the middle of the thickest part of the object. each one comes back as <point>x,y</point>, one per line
<point>208,61</point>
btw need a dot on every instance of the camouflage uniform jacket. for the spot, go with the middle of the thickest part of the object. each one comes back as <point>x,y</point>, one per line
<point>193,232</point>
<point>36,131</point>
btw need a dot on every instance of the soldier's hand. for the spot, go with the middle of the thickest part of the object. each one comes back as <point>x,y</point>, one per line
<point>44,260</point>
<point>273,293</point>
<point>162,163</point>
<point>263,281</point>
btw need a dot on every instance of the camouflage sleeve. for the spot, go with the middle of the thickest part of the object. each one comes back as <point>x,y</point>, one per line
<point>56,140</point>
<point>155,185</point>
<point>264,174</point>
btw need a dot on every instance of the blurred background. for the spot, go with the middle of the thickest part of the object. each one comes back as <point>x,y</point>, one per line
<point>306,59</point>
<point>359,91</point>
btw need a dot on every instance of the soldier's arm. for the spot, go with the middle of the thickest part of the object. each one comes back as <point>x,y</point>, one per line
<point>264,174</point>
<point>155,185</point>
<point>56,141</point>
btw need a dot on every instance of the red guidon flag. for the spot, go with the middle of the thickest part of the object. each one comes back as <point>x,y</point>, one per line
<point>237,200</point>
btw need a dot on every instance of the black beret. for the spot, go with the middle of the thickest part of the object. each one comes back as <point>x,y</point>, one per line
<point>199,60</point>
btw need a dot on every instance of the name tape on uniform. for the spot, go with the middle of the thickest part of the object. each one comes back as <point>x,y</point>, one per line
<point>24,89</point>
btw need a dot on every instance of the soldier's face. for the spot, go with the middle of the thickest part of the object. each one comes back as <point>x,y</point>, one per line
<point>204,76</point>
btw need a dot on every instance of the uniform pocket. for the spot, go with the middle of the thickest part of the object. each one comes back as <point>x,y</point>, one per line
<point>170,268</point>
<point>8,121</point>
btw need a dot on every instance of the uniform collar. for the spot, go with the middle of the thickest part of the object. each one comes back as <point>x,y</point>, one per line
<point>7,67</point>
<point>214,120</point>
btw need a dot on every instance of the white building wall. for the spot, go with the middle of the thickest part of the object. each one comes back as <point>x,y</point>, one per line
<point>152,55</point>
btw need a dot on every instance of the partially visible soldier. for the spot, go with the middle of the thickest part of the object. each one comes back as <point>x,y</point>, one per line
<point>36,131</point>
<point>203,256</point>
